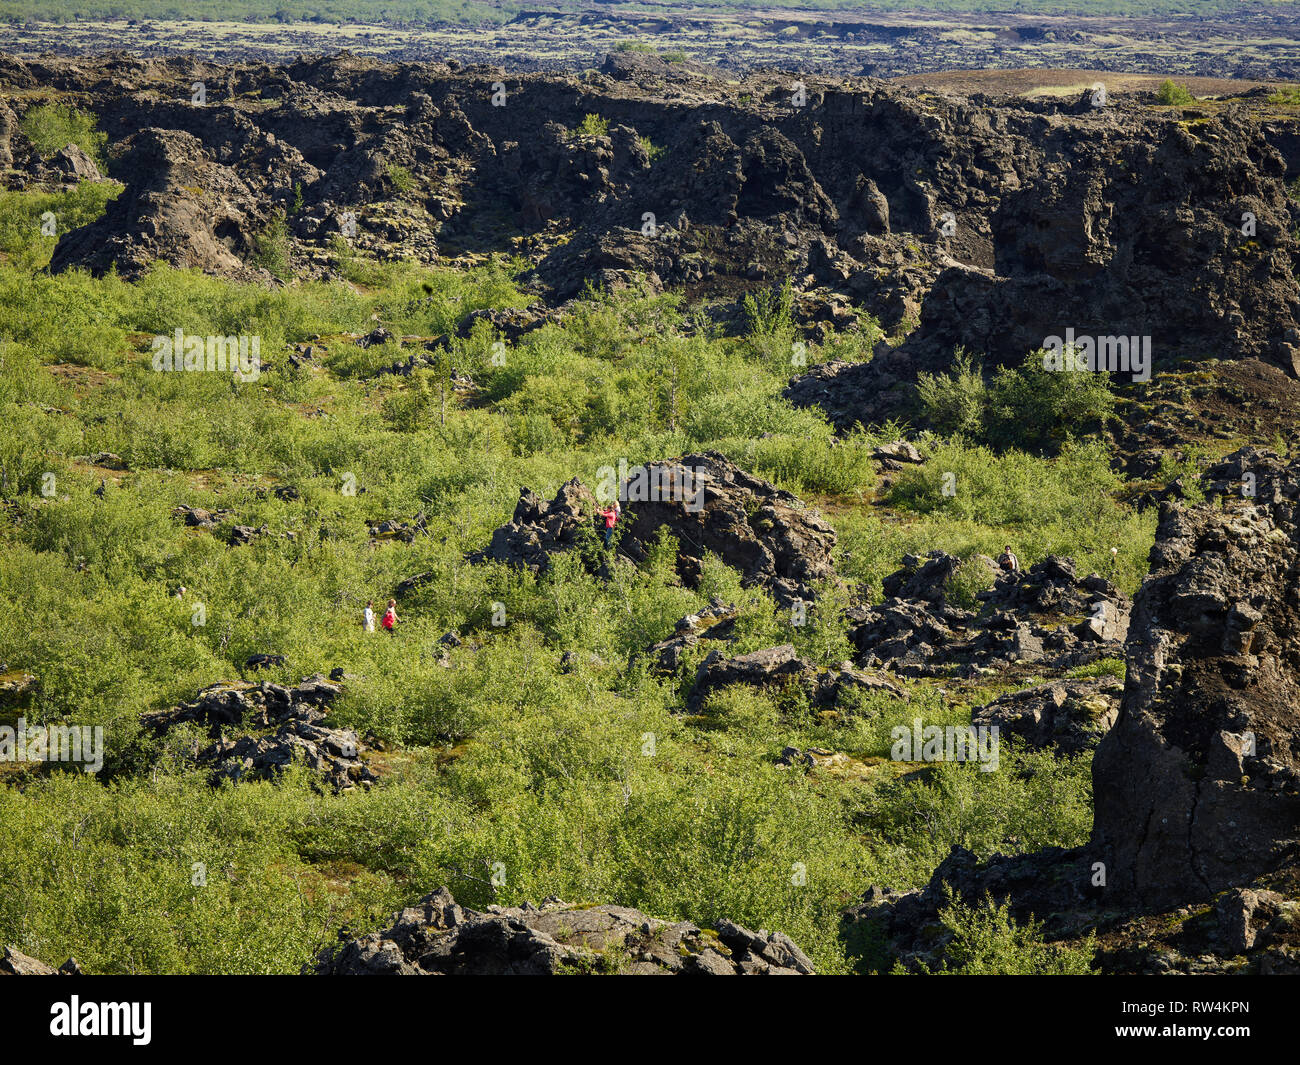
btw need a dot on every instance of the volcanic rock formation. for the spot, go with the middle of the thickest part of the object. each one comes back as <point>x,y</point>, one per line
<point>437,936</point>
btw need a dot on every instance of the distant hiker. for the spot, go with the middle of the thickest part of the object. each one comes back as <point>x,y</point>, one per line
<point>610,514</point>
<point>180,592</point>
<point>368,618</point>
<point>100,490</point>
<point>1007,561</point>
<point>389,620</point>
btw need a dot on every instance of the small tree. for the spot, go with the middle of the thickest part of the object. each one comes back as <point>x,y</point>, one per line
<point>955,402</point>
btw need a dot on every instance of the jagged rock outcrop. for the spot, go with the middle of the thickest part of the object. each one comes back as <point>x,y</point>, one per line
<point>1106,250</point>
<point>1069,716</point>
<point>540,529</point>
<point>706,502</point>
<point>1047,614</point>
<point>437,936</point>
<point>1198,784</point>
<point>717,621</point>
<point>774,667</point>
<point>179,206</point>
<point>259,730</point>
<point>709,504</point>
<point>996,224</point>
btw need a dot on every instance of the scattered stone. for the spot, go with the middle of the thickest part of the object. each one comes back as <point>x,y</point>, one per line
<point>198,518</point>
<point>898,455</point>
<point>832,763</point>
<point>104,459</point>
<point>263,661</point>
<point>391,529</point>
<point>437,936</point>
<point>1047,615</point>
<point>15,963</point>
<point>717,621</point>
<point>242,535</point>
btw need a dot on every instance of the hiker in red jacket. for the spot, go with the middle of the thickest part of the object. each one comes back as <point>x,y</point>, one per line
<point>389,620</point>
<point>611,515</point>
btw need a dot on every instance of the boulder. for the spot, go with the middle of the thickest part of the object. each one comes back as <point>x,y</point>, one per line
<point>539,529</point>
<point>15,963</point>
<point>709,504</point>
<point>717,621</point>
<point>779,667</point>
<point>1069,716</point>
<point>437,936</point>
<point>706,502</point>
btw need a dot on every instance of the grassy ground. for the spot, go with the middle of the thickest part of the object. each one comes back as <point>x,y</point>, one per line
<point>503,758</point>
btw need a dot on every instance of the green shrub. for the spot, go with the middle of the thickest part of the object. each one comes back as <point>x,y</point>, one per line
<point>955,402</point>
<point>1036,408</point>
<point>53,126</point>
<point>971,578</point>
<point>1172,93</point>
<point>654,151</point>
<point>1029,407</point>
<point>592,126</point>
<point>274,248</point>
<point>987,941</point>
<point>402,179</point>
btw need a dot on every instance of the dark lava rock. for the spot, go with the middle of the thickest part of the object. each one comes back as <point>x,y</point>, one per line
<point>539,529</point>
<point>437,936</point>
<point>1068,715</point>
<point>1198,784</point>
<point>780,666</point>
<point>198,518</point>
<point>758,529</point>
<point>717,621</point>
<point>15,963</point>
<point>706,502</point>
<point>1048,614</point>
<point>274,726</point>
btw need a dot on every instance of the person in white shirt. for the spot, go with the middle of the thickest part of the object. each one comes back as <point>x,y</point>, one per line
<point>368,620</point>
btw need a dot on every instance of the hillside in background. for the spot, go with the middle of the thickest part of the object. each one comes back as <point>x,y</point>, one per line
<point>1221,40</point>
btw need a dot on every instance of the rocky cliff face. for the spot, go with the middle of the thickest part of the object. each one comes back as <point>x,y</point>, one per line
<point>1197,787</point>
<point>996,223</point>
